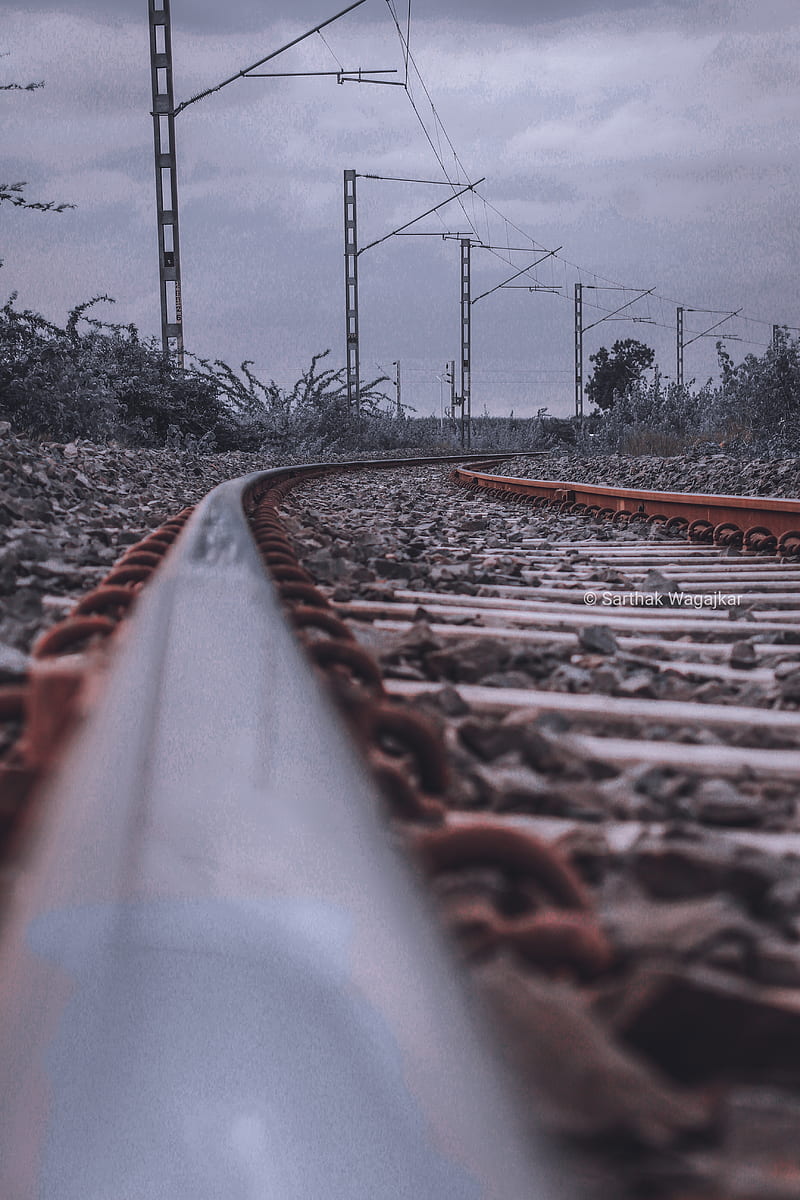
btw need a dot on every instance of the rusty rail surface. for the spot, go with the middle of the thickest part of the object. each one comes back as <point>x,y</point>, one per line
<point>217,977</point>
<point>754,522</point>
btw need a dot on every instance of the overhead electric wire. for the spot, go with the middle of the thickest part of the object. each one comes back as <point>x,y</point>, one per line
<point>409,58</point>
<point>487,204</point>
<point>439,125</point>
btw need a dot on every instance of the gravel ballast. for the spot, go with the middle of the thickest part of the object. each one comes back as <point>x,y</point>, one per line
<point>672,1074</point>
<point>697,471</point>
<point>701,921</point>
<point>67,512</point>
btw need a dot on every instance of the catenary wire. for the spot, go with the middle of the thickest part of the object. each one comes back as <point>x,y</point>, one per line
<point>476,195</point>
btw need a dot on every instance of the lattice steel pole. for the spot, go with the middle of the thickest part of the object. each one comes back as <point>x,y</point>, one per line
<point>679,346</point>
<point>163,112</point>
<point>579,350</point>
<point>466,343</point>
<point>351,293</point>
<point>396,365</point>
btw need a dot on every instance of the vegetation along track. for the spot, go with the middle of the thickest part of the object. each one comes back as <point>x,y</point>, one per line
<point>586,730</point>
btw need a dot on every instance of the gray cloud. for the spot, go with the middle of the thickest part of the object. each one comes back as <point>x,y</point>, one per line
<point>209,16</point>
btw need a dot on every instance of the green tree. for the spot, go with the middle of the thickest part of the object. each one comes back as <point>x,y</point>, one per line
<point>616,371</point>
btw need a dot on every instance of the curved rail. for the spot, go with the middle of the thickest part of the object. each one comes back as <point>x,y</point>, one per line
<point>756,522</point>
<point>217,978</point>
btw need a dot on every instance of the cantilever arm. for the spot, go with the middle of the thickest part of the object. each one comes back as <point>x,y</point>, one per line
<point>516,274</point>
<point>617,310</point>
<point>427,213</point>
<point>727,317</point>
<point>239,74</point>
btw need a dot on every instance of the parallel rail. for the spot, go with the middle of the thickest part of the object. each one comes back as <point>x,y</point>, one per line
<point>723,519</point>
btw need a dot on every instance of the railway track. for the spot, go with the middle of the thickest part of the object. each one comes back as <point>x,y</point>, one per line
<point>586,735</point>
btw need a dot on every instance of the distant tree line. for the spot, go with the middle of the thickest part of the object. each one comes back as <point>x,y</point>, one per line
<point>99,380</point>
<point>755,404</point>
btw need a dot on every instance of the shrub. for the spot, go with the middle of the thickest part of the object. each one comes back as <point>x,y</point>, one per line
<point>761,396</point>
<point>755,406</point>
<point>313,415</point>
<point>98,382</point>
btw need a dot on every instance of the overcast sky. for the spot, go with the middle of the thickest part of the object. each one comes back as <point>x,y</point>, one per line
<point>655,143</point>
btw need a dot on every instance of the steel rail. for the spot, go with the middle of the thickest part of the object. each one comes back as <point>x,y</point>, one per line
<point>709,517</point>
<point>217,976</point>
